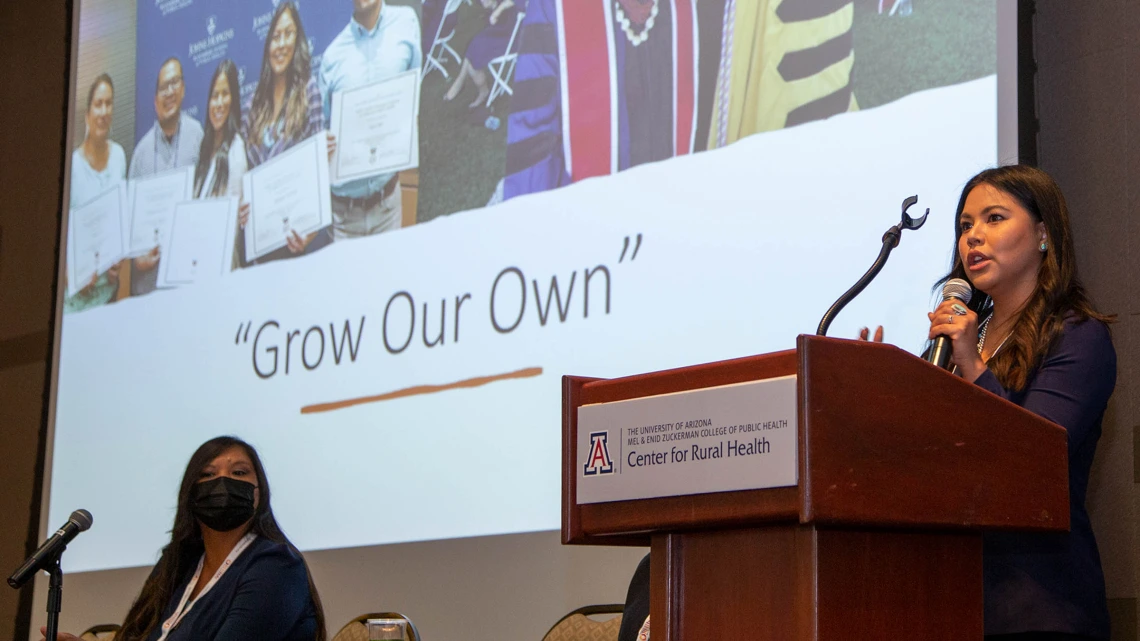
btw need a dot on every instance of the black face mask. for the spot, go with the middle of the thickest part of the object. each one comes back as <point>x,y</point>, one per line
<point>222,504</point>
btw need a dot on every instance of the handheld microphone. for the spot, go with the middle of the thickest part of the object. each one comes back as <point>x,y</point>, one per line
<point>939,353</point>
<point>79,521</point>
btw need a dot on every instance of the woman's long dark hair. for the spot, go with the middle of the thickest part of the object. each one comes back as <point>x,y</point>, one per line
<point>216,147</point>
<point>1058,295</point>
<point>181,555</point>
<point>297,76</point>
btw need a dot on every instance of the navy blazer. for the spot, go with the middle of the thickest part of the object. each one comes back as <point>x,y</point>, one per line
<point>1053,582</point>
<point>264,596</point>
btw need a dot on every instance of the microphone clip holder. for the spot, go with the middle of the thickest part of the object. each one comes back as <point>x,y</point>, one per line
<point>55,595</point>
<point>890,241</point>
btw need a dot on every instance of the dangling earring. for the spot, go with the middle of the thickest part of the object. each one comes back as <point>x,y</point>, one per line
<point>1044,247</point>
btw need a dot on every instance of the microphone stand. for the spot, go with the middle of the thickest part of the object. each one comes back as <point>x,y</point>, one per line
<point>55,596</point>
<point>890,241</point>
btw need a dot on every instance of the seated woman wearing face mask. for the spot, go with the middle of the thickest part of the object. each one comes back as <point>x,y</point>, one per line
<point>228,573</point>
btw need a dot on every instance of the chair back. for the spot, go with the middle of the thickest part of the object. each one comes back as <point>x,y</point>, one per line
<point>437,54</point>
<point>356,630</point>
<point>579,626</point>
<point>511,49</point>
<point>448,20</point>
<point>101,632</point>
<point>503,67</point>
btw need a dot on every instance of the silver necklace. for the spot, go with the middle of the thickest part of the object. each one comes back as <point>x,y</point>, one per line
<point>982,337</point>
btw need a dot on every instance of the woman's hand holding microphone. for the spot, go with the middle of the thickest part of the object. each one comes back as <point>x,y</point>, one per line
<point>956,322</point>
<point>953,320</point>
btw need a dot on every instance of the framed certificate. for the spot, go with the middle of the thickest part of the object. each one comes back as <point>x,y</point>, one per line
<point>288,193</point>
<point>376,128</point>
<point>201,243</point>
<point>95,237</point>
<point>152,201</point>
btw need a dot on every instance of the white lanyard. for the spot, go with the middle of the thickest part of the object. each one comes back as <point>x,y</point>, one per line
<point>185,604</point>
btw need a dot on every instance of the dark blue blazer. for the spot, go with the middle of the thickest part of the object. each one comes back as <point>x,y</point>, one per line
<point>1054,582</point>
<point>264,596</point>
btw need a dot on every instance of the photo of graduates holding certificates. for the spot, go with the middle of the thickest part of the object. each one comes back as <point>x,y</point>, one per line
<point>278,128</point>
<point>273,132</point>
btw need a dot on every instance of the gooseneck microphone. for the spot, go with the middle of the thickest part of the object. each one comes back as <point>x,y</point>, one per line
<point>890,241</point>
<point>939,353</point>
<point>79,521</point>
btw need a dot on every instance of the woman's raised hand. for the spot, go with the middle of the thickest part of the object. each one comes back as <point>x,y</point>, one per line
<point>865,334</point>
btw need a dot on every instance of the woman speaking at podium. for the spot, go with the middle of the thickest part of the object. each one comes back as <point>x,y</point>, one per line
<point>1036,341</point>
<point>1033,338</point>
<point>228,573</point>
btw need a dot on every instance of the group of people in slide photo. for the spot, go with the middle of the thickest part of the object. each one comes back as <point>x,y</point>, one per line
<point>422,109</point>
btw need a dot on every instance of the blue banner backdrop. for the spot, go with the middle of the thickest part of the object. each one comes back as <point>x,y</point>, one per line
<point>202,33</point>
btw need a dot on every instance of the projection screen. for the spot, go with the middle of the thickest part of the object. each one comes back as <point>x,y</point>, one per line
<point>283,224</point>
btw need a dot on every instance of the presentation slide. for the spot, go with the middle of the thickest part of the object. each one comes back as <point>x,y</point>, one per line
<point>370,237</point>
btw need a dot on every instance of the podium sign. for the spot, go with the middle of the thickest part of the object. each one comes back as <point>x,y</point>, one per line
<point>715,439</point>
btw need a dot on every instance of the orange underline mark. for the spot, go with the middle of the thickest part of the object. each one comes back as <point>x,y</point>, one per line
<point>416,390</point>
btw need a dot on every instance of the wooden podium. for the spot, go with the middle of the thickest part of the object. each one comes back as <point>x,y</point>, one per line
<point>901,466</point>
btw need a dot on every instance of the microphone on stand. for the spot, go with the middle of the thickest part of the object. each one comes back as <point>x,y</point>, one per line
<point>939,353</point>
<point>47,558</point>
<point>79,521</point>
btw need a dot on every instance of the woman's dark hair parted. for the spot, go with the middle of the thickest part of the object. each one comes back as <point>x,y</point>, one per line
<point>181,555</point>
<point>297,75</point>
<point>1059,293</point>
<point>215,147</point>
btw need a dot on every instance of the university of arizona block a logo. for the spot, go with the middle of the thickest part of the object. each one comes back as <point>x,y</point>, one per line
<point>599,462</point>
